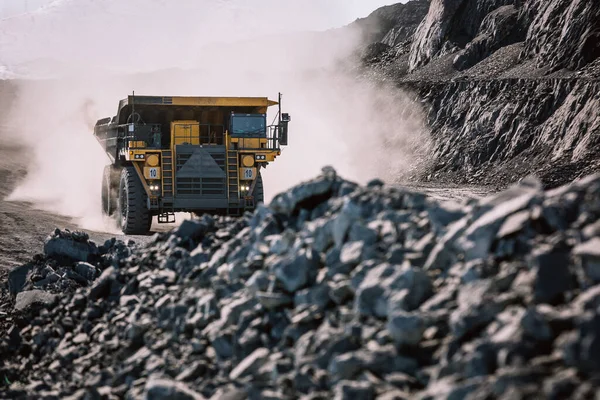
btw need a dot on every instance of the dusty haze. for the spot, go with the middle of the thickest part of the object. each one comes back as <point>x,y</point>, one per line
<point>362,129</point>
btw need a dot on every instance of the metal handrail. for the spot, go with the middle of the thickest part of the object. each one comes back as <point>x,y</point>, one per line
<point>273,137</point>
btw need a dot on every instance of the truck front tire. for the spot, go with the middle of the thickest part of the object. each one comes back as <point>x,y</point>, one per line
<point>259,193</point>
<point>133,215</point>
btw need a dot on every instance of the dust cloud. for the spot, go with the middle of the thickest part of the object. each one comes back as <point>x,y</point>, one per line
<point>364,130</point>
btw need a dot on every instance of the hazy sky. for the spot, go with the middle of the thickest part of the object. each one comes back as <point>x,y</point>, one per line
<point>88,31</point>
<point>335,12</point>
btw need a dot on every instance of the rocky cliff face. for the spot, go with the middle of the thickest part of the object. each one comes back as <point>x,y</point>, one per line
<point>490,132</point>
<point>392,24</point>
<point>511,87</point>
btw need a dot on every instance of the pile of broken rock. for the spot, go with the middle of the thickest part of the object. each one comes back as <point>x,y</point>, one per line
<point>332,291</point>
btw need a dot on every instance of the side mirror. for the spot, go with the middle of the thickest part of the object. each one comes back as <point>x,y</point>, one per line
<point>283,133</point>
<point>283,128</point>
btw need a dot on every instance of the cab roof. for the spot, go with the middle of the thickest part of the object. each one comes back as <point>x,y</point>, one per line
<point>198,101</point>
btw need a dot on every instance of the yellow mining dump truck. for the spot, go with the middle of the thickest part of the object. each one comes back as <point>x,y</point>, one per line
<point>186,154</point>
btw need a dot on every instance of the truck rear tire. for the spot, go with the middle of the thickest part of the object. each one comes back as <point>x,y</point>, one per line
<point>133,215</point>
<point>110,190</point>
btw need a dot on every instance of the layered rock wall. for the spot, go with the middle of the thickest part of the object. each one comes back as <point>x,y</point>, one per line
<point>495,131</point>
<point>512,87</point>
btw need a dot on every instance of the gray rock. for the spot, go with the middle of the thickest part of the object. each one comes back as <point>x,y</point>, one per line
<point>372,300</point>
<point>397,254</point>
<point>588,300</point>
<point>375,183</point>
<point>86,270</point>
<point>191,372</point>
<point>317,295</point>
<point>361,233</point>
<point>106,285</point>
<point>52,277</point>
<point>68,249</point>
<point>229,392</point>
<point>341,291</point>
<point>349,214</point>
<point>514,224</point>
<point>258,282</point>
<point>535,325</point>
<point>405,328</point>
<point>589,253</point>
<point>18,277</point>
<point>352,253</point>
<point>157,389</point>
<point>476,308</point>
<point>250,364</point>
<point>443,215</point>
<point>383,282</point>
<point>190,229</point>
<point>322,233</point>
<point>346,366</point>
<point>232,311</point>
<point>286,203</point>
<point>349,390</point>
<point>562,385</point>
<point>478,238</point>
<point>32,298</point>
<point>296,271</point>
<point>272,300</point>
<point>552,277</point>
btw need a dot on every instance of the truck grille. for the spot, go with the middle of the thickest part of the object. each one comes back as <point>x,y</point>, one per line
<point>184,157</point>
<point>205,187</point>
<point>200,172</point>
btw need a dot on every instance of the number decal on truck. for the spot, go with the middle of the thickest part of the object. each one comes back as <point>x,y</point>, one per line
<point>153,172</point>
<point>248,173</point>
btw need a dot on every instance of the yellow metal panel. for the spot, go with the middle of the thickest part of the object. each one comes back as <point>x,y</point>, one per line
<point>223,101</point>
<point>270,154</point>
<point>250,143</point>
<point>139,172</point>
<point>137,144</point>
<point>185,132</point>
<point>152,160</point>
<point>135,155</point>
<point>245,176</point>
<point>152,173</point>
<point>248,161</point>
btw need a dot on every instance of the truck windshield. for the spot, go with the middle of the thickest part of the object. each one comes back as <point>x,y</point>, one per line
<point>248,124</point>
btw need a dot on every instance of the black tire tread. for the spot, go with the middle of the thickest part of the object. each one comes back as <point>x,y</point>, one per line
<point>138,219</point>
<point>110,189</point>
<point>259,193</point>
